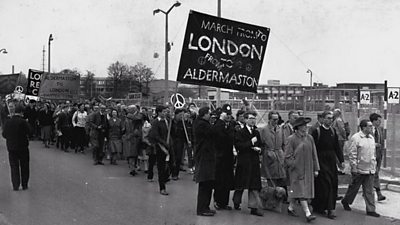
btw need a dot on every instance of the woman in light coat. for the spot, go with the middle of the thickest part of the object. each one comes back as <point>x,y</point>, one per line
<point>302,161</point>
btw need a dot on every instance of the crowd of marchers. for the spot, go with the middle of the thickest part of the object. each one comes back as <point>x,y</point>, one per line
<point>224,153</point>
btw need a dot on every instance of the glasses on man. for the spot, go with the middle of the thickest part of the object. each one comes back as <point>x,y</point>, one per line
<point>251,118</point>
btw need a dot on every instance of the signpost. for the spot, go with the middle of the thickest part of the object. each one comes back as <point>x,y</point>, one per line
<point>365,97</point>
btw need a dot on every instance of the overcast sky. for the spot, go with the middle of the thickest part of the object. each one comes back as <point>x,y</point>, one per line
<point>339,40</point>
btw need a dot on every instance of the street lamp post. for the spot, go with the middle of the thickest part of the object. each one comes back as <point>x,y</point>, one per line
<point>167,46</point>
<point>50,39</point>
<point>3,50</point>
<point>310,72</point>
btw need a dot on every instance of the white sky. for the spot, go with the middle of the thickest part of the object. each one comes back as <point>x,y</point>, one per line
<point>339,40</point>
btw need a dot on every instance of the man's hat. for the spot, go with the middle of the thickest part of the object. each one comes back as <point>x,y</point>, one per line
<point>226,108</point>
<point>301,121</point>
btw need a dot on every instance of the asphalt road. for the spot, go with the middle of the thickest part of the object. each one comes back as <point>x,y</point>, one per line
<point>66,188</point>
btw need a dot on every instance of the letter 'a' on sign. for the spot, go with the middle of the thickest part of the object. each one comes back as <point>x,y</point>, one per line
<point>365,97</point>
<point>393,95</point>
<point>222,53</point>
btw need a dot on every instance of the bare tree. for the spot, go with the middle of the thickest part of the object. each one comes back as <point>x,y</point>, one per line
<point>118,72</point>
<point>88,83</point>
<point>142,74</point>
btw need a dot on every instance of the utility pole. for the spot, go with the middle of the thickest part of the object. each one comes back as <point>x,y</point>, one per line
<point>43,58</point>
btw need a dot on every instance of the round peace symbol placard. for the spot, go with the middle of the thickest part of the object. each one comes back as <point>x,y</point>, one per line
<point>19,89</point>
<point>177,100</point>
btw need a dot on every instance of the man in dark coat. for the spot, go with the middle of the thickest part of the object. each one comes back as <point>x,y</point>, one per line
<point>224,179</point>
<point>205,161</point>
<point>158,136</point>
<point>98,132</point>
<point>247,176</point>
<point>326,184</point>
<point>16,133</point>
<point>31,115</point>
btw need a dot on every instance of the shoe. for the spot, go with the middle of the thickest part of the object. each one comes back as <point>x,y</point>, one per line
<point>323,212</point>
<point>133,173</point>
<point>236,206</point>
<point>149,180</point>
<point>292,213</point>
<point>331,215</point>
<point>24,188</point>
<point>100,163</point>
<point>374,214</point>
<point>96,163</point>
<point>226,207</point>
<point>338,198</point>
<point>164,192</point>
<point>381,197</point>
<point>310,218</point>
<point>256,212</point>
<point>212,211</point>
<point>345,205</point>
<point>205,214</point>
<point>16,189</point>
<point>175,178</point>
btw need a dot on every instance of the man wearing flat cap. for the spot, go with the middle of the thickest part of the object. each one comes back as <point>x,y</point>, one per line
<point>224,139</point>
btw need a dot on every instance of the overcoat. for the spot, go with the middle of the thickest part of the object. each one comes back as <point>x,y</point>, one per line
<point>224,139</point>
<point>272,156</point>
<point>205,155</point>
<point>302,160</point>
<point>247,174</point>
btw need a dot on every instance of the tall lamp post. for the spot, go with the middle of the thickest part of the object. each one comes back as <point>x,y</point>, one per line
<point>310,72</point>
<point>167,45</point>
<point>3,50</point>
<point>50,39</point>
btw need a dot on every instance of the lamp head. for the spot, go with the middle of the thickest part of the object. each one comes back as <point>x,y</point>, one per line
<point>177,4</point>
<point>50,37</point>
<point>156,11</point>
<point>3,50</point>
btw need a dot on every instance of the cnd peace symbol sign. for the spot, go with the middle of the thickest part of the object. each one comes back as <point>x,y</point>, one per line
<point>19,89</point>
<point>177,100</point>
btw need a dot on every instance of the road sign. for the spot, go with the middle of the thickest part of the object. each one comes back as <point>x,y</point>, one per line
<point>393,95</point>
<point>365,97</point>
<point>177,100</point>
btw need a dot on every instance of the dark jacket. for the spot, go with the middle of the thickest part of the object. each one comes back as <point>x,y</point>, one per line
<point>98,125</point>
<point>205,155</point>
<point>45,119</point>
<point>224,139</point>
<point>16,132</point>
<point>247,174</point>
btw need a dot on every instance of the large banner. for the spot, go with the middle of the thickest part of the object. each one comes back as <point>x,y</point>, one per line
<point>59,86</point>
<point>8,82</point>
<point>222,53</point>
<point>34,77</point>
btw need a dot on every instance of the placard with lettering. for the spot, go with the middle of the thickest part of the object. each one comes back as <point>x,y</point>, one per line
<point>222,53</point>
<point>59,86</point>
<point>34,78</point>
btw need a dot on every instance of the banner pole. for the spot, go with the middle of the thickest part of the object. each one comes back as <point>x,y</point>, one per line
<point>218,89</point>
<point>385,106</point>
<point>358,108</point>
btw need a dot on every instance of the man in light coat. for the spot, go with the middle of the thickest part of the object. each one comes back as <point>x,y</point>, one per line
<point>363,166</point>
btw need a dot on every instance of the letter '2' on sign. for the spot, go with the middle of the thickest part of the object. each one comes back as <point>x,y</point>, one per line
<point>365,97</point>
<point>222,53</point>
<point>393,95</point>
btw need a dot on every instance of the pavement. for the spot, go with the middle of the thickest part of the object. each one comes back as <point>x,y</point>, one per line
<point>66,188</point>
